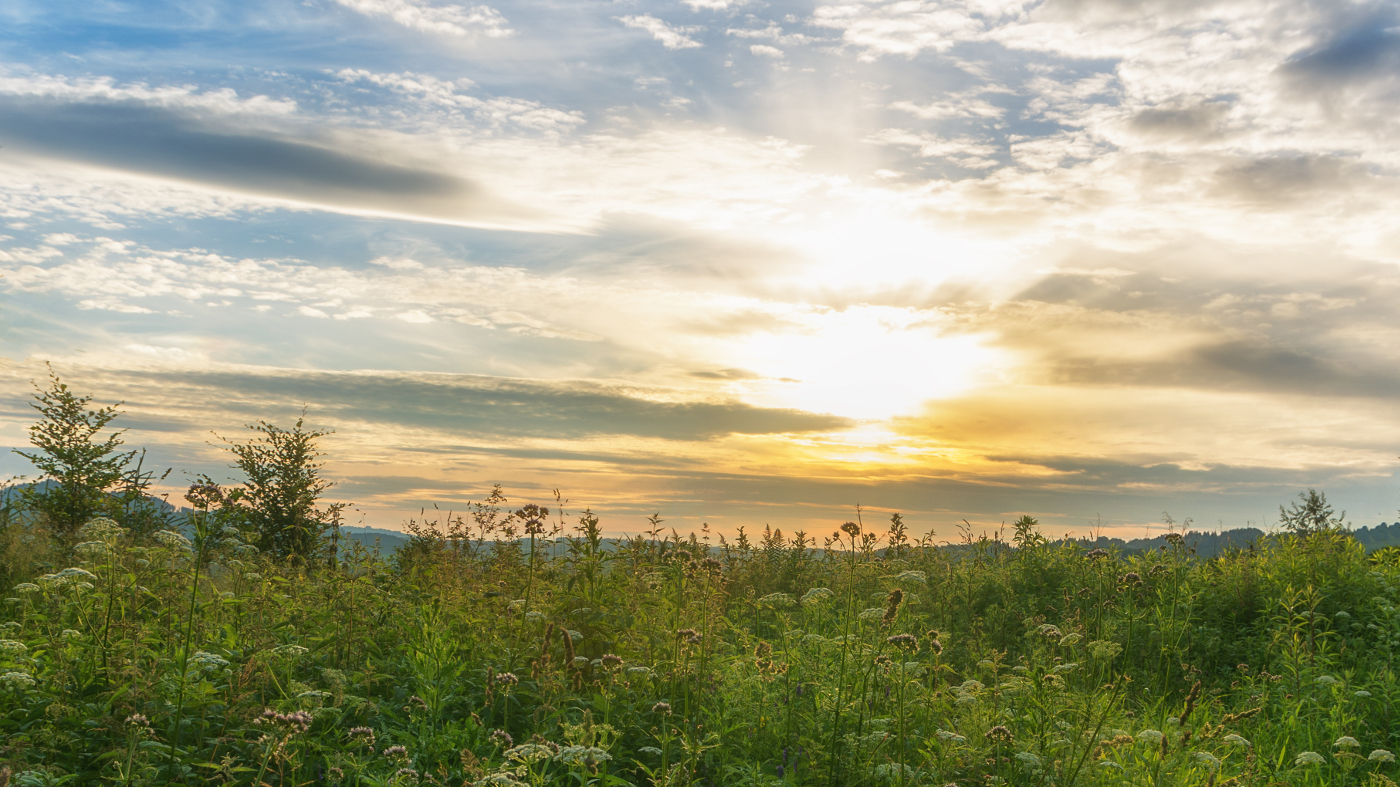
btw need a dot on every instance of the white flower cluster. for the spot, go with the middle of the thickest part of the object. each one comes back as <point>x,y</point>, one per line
<point>173,540</point>
<point>582,755</point>
<point>818,596</point>
<point>778,601</point>
<point>16,680</point>
<point>204,660</point>
<point>69,577</point>
<point>950,737</point>
<point>92,550</point>
<point>912,578</point>
<point>1309,758</point>
<point>529,752</point>
<point>102,529</point>
<point>12,647</point>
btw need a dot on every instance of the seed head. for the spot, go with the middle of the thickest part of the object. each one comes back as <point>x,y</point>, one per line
<point>1000,734</point>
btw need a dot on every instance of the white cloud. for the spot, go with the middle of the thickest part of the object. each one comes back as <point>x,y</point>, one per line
<point>963,151</point>
<point>763,50</point>
<point>308,311</point>
<point>414,315</point>
<point>714,5</point>
<point>671,37</point>
<point>454,20</point>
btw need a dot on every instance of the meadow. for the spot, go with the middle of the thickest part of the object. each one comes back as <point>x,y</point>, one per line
<point>514,644</point>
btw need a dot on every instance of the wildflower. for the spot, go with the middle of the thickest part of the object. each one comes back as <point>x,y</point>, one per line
<point>1207,759</point>
<point>999,734</point>
<point>208,661</point>
<point>588,756</point>
<point>1097,554</point>
<point>1363,694</point>
<point>1070,639</point>
<point>611,661</point>
<point>913,577</point>
<point>16,680</point>
<point>1050,631</point>
<point>1326,680</point>
<point>905,641</point>
<point>406,772</point>
<point>1131,579</point>
<point>529,752</point>
<point>1236,740</point>
<point>26,587</point>
<point>1309,758</point>
<point>1347,742</point>
<point>777,600</point>
<point>1381,755</point>
<point>501,738</point>
<point>851,529</point>
<point>950,737</point>
<point>872,613</point>
<point>817,596</point>
<point>507,679</point>
<point>1028,759</point>
<point>138,721</point>
<point>290,650</point>
<point>935,647</point>
<point>173,540</point>
<point>363,735</point>
<point>92,550</point>
<point>1150,736</point>
<point>664,708</point>
<point>396,753</point>
<point>652,750</point>
<point>12,647</point>
<point>892,602</point>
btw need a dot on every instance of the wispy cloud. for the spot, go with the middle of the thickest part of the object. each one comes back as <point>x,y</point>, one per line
<point>454,20</point>
<point>670,36</point>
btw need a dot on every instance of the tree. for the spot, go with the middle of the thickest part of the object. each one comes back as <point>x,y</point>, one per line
<point>1311,514</point>
<point>284,484</point>
<point>84,470</point>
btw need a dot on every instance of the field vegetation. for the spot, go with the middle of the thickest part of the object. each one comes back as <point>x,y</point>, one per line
<point>240,642</point>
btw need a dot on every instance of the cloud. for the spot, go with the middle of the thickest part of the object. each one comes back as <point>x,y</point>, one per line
<point>763,50</point>
<point>671,37</point>
<point>454,20</point>
<point>171,144</point>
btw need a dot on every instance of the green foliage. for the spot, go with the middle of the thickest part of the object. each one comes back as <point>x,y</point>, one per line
<point>88,474</point>
<point>1311,514</point>
<point>279,497</point>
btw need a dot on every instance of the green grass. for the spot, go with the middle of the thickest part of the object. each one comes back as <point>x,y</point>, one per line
<point>477,660</point>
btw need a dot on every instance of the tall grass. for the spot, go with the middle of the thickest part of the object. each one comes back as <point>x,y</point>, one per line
<point>476,657</point>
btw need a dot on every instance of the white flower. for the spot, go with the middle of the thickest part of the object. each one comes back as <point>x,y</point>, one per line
<point>971,685</point>
<point>777,600</point>
<point>1381,755</point>
<point>912,577</point>
<point>1150,736</point>
<point>639,672</point>
<point>70,634</point>
<point>652,750</point>
<point>1070,639</point>
<point>582,755</point>
<point>581,661</point>
<point>1110,764</point>
<point>1309,758</point>
<point>26,587</point>
<point>529,752</point>
<point>16,680</point>
<point>1207,759</point>
<point>205,660</point>
<point>1326,680</point>
<point>102,529</point>
<point>1236,740</point>
<point>11,647</point>
<point>950,737</point>
<point>872,613</point>
<point>817,596</point>
<point>534,616</point>
<point>1073,665</point>
<point>252,576</point>
<point>289,650</point>
<point>1363,693</point>
<point>92,549</point>
<point>173,540</point>
<point>1347,742</point>
<point>516,605</point>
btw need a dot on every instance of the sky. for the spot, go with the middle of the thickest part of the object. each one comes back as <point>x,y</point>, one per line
<point>736,263</point>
